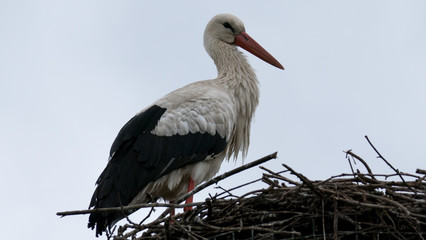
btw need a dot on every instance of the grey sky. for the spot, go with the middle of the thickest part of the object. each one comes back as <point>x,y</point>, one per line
<point>72,73</point>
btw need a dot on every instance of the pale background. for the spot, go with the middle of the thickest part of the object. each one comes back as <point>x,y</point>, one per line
<point>72,73</point>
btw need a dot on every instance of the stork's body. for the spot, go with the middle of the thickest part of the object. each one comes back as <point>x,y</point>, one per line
<point>185,135</point>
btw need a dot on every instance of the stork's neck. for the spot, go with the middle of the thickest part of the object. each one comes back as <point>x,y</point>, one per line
<point>230,61</point>
<point>236,75</point>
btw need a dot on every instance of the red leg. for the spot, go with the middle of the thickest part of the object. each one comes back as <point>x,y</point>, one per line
<point>190,199</point>
<point>172,210</point>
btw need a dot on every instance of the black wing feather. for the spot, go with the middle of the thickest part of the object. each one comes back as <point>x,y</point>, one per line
<point>139,157</point>
<point>141,123</point>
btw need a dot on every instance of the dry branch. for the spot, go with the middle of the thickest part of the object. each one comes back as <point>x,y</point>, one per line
<point>182,198</point>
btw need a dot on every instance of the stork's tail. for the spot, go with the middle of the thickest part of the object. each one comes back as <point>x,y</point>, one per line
<point>98,221</point>
<point>102,221</point>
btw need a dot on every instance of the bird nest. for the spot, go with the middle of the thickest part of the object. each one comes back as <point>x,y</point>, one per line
<point>347,206</point>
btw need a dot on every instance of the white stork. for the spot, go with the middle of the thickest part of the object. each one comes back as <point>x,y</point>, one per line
<point>181,139</point>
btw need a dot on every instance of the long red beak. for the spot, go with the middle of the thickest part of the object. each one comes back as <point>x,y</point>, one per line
<point>245,41</point>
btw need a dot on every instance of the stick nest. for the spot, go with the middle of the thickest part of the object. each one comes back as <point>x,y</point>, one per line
<point>347,206</point>
<point>291,206</point>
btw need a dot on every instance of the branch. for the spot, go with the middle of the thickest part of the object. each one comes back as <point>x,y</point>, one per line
<point>349,152</point>
<point>124,208</point>
<point>305,180</point>
<point>176,204</point>
<point>390,165</point>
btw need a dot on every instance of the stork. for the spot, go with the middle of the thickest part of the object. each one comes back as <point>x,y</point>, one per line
<point>181,139</point>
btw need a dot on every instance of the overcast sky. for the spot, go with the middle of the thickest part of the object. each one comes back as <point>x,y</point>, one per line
<point>72,73</point>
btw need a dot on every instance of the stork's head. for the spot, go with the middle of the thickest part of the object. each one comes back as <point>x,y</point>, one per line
<point>230,29</point>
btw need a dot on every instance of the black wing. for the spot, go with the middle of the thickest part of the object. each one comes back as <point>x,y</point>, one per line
<point>139,157</point>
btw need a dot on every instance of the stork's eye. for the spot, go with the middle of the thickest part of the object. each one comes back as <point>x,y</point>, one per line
<point>227,25</point>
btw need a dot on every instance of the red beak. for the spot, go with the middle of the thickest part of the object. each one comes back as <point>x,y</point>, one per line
<point>245,41</point>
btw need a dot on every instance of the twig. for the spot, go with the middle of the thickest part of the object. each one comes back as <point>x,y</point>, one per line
<point>335,219</point>
<point>270,182</point>
<point>390,165</point>
<point>278,176</point>
<point>323,220</point>
<point>246,228</point>
<point>349,152</point>
<point>124,208</point>
<point>349,161</point>
<point>240,186</point>
<point>147,216</point>
<point>305,180</point>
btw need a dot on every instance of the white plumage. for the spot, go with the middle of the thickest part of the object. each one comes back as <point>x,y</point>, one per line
<point>198,107</point>
<point>185,135</point>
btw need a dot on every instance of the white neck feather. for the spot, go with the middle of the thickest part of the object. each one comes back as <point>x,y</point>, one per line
<point>238,76</point>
